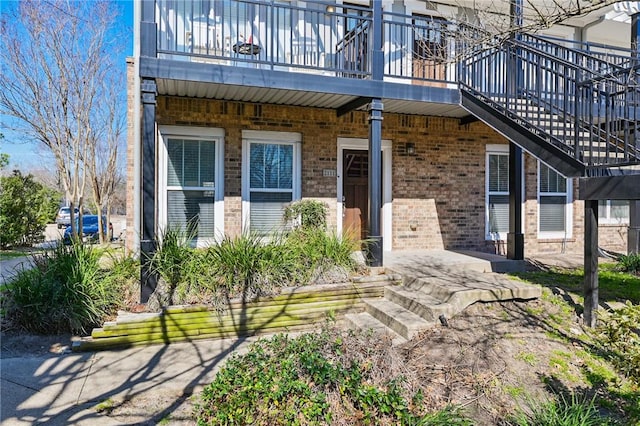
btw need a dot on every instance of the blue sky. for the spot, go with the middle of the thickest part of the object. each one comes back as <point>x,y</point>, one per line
<point>27,155</point>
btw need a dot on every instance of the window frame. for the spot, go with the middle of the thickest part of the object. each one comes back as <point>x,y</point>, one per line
<point>568,220</point>
<point>214,135</point>
<point>499,149</point>
<point>502,150</point>
<point>607,219</point>
<point>266,137</point>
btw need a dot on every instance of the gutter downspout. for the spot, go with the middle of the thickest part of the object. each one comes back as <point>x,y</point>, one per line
<point>137,16</point>
<point>583,30</point>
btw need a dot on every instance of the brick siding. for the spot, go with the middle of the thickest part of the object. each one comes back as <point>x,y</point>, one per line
<point>438,193</point>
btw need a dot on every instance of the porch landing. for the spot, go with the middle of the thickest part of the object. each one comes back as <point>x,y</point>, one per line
<point>437,285</point>
<point>415,261</point>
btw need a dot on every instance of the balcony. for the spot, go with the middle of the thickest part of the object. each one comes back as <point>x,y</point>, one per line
<point>319,38</point>
<point>311,54</point>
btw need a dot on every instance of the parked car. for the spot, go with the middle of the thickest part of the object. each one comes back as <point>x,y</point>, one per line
<point>63,218</point>
<point>89,229</point>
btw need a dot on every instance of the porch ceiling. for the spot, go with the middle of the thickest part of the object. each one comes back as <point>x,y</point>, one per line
<point>212,81</point>
<point>276,96</point>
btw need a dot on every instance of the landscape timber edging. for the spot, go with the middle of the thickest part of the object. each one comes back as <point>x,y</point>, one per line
<point>293,309</point>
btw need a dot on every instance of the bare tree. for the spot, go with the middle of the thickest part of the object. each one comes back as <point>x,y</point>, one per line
<point>482,23</point>
<point>56,58</point>
<point>493,15</point>
<point>103,156</point>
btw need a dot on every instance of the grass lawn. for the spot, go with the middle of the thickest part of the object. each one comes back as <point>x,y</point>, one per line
<point>11,254</point>
<point>614,286</point>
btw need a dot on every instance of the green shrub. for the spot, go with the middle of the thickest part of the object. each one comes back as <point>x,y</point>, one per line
<point>318,252</point>
<point>245,266</point>
<point>248,265</point>
<point>562,412</point>
<point>449,416</point>
<point>310,379</point>
<point>63,292</point>
<point>123,274</point>
<point>620,338</point>
<point>629,263</point>
<point>26,206</point>
<point>307,214</point>
<point>170,260</point>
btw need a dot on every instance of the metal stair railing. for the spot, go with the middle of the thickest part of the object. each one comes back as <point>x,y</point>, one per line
<point>612,103</point>
<point>588,107</point>
<point>615,55</point>
<point>584,105</point>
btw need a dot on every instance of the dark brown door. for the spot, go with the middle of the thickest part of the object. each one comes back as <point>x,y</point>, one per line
<point>355,190</point>
<point>429,50</point>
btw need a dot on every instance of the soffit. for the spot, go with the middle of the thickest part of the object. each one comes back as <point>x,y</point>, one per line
<point>193,89</point>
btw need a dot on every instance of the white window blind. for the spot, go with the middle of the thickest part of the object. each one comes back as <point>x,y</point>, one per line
<point>271,185</point>
<point>497,195</point>
<point>553,199</point>
<point>191,186</point>
<point>613,211</point>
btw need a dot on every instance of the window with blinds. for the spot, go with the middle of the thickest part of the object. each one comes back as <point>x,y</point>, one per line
<point>553,200</point>
<point>613,211</point>
<point>497,202</point>
<point>271,184</point>
<point>191,186</point>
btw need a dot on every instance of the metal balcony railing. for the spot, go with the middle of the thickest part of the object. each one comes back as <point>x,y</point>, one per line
<point>319,37</point>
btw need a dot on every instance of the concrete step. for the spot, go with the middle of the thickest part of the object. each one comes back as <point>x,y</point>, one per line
<point>428,307</point>
<point>433,284</point>
<point>366,322</point>
<point>460,288</point>
<point>402,321</point>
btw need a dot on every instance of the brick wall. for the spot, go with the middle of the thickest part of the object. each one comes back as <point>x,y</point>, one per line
<point>611,237</point>
<point>440,189</point>
<point>438,193</point>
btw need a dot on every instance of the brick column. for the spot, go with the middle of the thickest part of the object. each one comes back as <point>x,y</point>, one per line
<point>633,235</point>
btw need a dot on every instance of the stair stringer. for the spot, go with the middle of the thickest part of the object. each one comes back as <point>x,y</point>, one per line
<point>536,145</point>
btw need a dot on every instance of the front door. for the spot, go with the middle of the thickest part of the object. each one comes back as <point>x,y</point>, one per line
<point>355,192</point>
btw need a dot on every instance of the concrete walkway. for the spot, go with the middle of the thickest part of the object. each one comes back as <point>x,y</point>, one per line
<point>65,389</point>
<point>9,267</point>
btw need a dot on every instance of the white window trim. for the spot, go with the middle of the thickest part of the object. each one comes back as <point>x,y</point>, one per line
<point>387,206</point>
<point>193,133</point>
<point>608,220</point>
<point>568,231</point>
<point>288,138</point>
<point>498,149</point>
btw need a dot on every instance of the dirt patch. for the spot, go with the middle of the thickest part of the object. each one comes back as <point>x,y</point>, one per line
<point>487,360</point>
<point>491,359</point>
